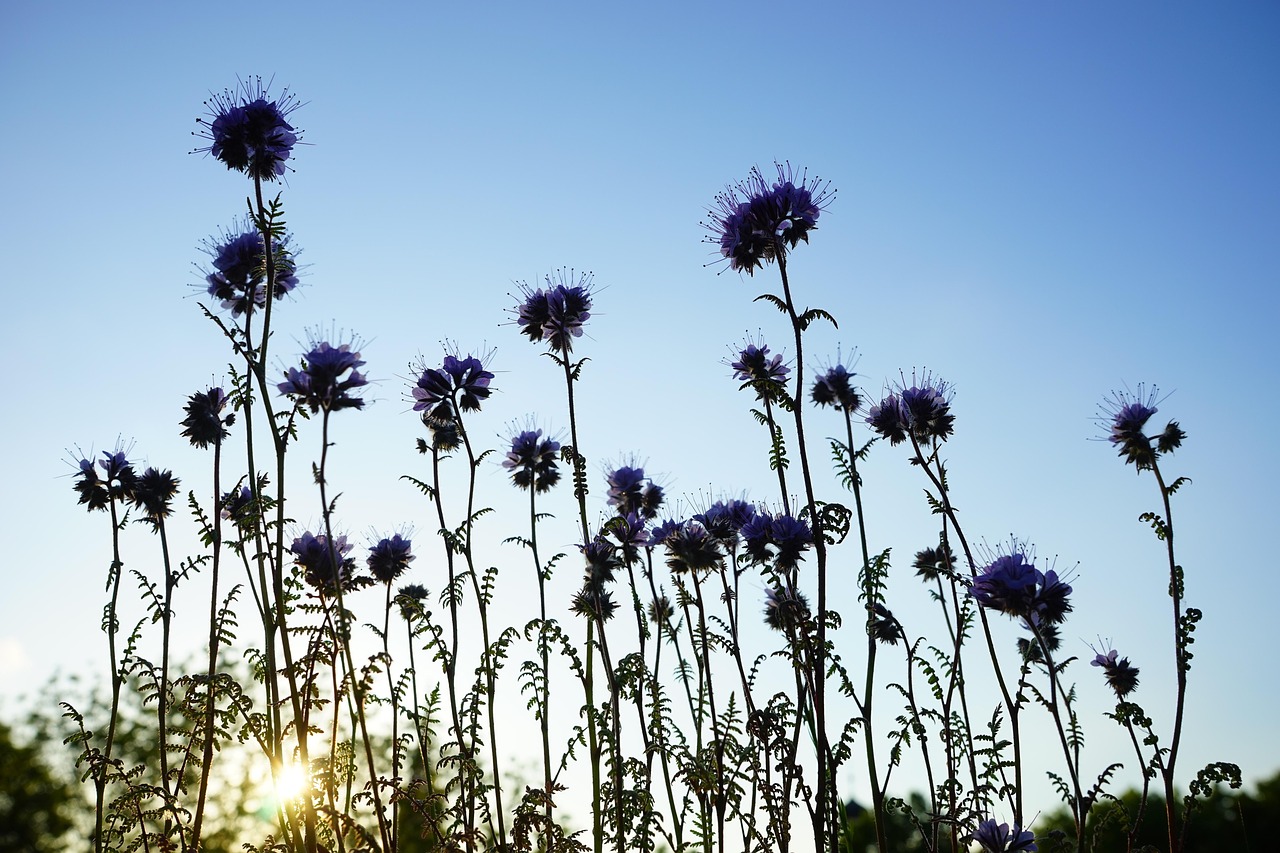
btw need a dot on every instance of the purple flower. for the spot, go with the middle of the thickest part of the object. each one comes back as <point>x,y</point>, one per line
<point>532,460</point>
<point>325,566</point>
<point>755,221</point>
<point>204,422</point>
<point>631,535</point>
<point>461,382</point>
<point>785,609</point>
<point>390,558</point>
<point>1015,587</point>
<point>632,492</point>
<point>319,384</point>
<point>238,507</point>
<point>835,388</point>
<point>556,315</point>
<point>239,275</point>
<point>931,562</point>
<point>602,561</point>
<point>690,548</point>
<point>153,494</point>
<point>248,131</point>
<point>117,482</point>
<point>659,534</point>
<point>998,838</point>
<point>410,598</point>
<point>782,539</point>
<point>922,411</point>
<point>723,519</point>
<point>1125,415</point>
<point>1122,676</point>
<point>755,370</point>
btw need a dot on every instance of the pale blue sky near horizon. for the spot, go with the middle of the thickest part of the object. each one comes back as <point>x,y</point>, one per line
<point>1038,202</point>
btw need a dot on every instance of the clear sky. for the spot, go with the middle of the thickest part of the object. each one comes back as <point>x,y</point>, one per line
<point>1039,202</point>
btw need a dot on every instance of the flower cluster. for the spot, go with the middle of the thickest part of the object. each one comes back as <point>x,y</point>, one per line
<point>725,519</point>
<point>594,600</point>
<point>555,315</point>
<point>1012,585</point>
<point>532,460</point>
<point>204,424</point>
<point>153,494</point>
<point>1121,675</point>
<point>781,538</point>
<point>117,482</point>
<point>690,548</point>
<point>248,131</point>
<point>459,383</point>
<point>390,558</point>
<point>785,609</point>
<point>631,492</point>
<point>998,838</point>
<point>239,274</point>
<point>1125,415</point>
<point>766,376</point>
<point>325,565</point>
<point>757,221</point>
<point>834,387</point>
<point>319,384</point>
<point>921,411</point>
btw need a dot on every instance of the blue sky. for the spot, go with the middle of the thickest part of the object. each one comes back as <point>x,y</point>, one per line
<point>1038,202</point>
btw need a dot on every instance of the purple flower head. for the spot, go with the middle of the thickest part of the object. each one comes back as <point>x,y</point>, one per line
<point>239,275</point>
<point>153,494</point>
<point>459,382</point>
<point>325,566</point>
<point>998,838</point>
<point>781,538</point>
<point>834,387</point>
<point>410,598</point>
<point>1125,414</point>
<point>756,221</point>
<point>659,534</point>
<point>757,371</point>
<point>1122,676</point>
<point>785,609</point>
<point>248,131</point>
<point>921,411</point>
<point>631,492</point>
<point>320,384</point>
<point>723,519</point>
<point>602,561</point>
<point>630,532</point>
<point>555,315</point>
<point>118,480</point>
<point>594,602</point>
<point>390,557</point>
<point>931,562</point>
<point>690,548</point>
<point>204,423</point>
<point>532,460</point>
<point>1012,585</point>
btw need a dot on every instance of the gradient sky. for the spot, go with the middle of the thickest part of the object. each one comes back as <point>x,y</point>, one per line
<point>1039,202</point>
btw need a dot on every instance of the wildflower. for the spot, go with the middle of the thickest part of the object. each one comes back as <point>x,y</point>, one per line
<point>661,532</point>
<point>1015,587</point>
<point>690,548</point>
<point>238,507</point>
<point>153,494</point>
<point>755,370</point>
<point>932,562</point>
<point>248,132</point>
<point>998,838</point>
<point>532,460</point>
<point>204,422</point>
<point>884,627</point>
<point>661,611</point>
<point>921,411</point>
<point>462,382</point>
<point>239,275</point>
<point>631,535</point>
<point>632,492</point>
<point>445,435</point>
<point>1122,676</point>
<point>594,603</point>
<point>835,388</point>
<point>325,565</point>
<point>785,609</point>
<point>724,519</point>
<point>602,561</point>
<point>781,538</point>
<point>410,598</point>
<point>1125,415</point>
<point>319,385</point>
<point>556,315</point>
<point>390,558</point>
<point>756,222</point>
<point>117,482</point>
